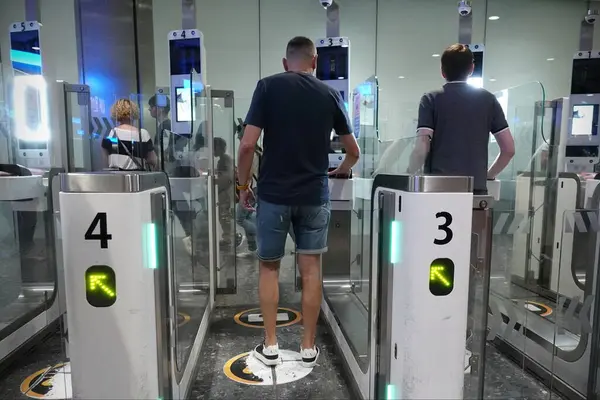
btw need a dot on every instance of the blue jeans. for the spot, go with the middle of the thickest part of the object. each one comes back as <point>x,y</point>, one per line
<point>310,225</point>
<point>247,220</point>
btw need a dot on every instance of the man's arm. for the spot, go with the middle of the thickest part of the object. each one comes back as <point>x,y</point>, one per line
<point>255,122</point>
<point>420,150</point>
<point>425,131</point>
<point>504,138</point>
<point>343,128</point>
<point>507,151</point>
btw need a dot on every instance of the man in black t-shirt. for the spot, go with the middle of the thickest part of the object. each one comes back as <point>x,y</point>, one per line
<point>455,123</point>
<point>297,113</point>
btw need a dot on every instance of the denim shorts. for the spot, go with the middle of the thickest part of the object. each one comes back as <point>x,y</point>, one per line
<point>310,225</point>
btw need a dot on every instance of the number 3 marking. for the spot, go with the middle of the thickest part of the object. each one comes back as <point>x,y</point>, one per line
<point>445,227</point>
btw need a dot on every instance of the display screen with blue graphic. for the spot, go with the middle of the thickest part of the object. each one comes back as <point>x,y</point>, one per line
<point>25,52</point>
<point>185,56</point>
<point>332,63</point>
<point>185,109</point>
<point>585,120</point>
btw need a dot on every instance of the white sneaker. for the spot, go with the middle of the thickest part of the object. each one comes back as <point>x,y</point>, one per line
<point>268,355</point>
<point>310,356</point>
<point>187,243</point>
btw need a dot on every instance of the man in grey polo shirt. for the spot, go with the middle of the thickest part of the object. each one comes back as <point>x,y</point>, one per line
<point>455,123</point>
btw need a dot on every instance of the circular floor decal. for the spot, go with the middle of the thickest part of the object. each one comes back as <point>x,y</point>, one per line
<point>537,308</point>
<point>182,319</point>
<point>49,383</point>
<point>245,368</point>
<point>253,318</point>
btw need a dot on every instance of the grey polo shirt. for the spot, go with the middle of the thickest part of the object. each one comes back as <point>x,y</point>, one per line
<point>461,118</point>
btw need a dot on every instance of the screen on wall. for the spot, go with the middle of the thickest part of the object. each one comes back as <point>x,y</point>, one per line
<point>332,63</point>
<point>585,120</point>
<point>478,62</point>
<point>185,56</point>
<point>184,105</point>
<point>25,52</point>
<point>586,76</point>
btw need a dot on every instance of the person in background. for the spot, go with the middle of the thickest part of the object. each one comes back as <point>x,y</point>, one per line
<point>455,123</point>
<point>246,217</point>
<point>225,180</point>
<point>297,113</point>
<point>163,121</point>
<point>126,147</point>
<point>166,144</point>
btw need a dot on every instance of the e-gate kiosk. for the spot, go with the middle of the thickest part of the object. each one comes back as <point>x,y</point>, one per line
<point>187,60</point>
<point>186,54</point>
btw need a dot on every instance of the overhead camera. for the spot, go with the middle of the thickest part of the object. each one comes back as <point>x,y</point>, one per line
<point>464,8</point>
<point>326,3</point>
<point>591,17</point>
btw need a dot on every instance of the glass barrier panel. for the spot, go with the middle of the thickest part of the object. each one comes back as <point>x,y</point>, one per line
<point>573,327</point>
<point>509,302</point>
<point>347,288</point>
<point>520,105</point>
<point>365,109</point>
<point>231,239</point>
<point>184,160</point>
<point>515,290</point>
<point>28,264</point>
<point>78,128</point>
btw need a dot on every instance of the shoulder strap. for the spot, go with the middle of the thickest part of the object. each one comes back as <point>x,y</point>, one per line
<point>135,161</point>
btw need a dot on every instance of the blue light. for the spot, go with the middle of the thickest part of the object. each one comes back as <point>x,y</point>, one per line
<point>396,242</point>
<point>113,140</point>
<point>198,86</point>
<point>390,392</point>
<point>365,89</point>
<point>151,256</point>
<point>76,120</point>
<point>23,57</point>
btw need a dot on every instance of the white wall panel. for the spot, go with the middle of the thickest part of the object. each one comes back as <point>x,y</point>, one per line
<point>231,37</point>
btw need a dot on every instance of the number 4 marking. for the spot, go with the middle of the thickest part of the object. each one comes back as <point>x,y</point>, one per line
<point>103,236</point>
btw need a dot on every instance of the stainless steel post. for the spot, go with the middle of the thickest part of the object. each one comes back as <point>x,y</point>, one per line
<point>32,10</point>
<point>479,292</point>
<point>333,20</point>
<point>188,14</point>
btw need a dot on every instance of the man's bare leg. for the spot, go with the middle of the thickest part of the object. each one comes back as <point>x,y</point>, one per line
<point>310,270</point>
<point>268,293</point>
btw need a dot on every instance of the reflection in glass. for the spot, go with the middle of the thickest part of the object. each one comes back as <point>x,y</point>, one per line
<point>223,144</point>
<point>183,157</point>
<point>348,290</point>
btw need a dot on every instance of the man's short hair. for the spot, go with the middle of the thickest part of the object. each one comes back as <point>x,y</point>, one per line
<point>152,103</point>
<point>219,143</point>
<point>457,62</point>
<point>299,48</point>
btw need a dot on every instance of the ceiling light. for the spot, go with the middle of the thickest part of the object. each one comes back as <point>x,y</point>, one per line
<point>493,80</point>
<point>435,55</point>
<point>550,59</point>
<point>494,18</point>
<point>400,77</point>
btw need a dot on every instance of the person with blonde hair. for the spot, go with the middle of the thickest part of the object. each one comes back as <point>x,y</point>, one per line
<point>126,147</point>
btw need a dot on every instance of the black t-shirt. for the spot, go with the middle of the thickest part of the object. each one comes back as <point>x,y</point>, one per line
<point>297,113</point>
<point>461,118</point>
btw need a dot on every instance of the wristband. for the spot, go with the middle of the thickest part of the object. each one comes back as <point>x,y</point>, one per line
<point>242,187</point>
